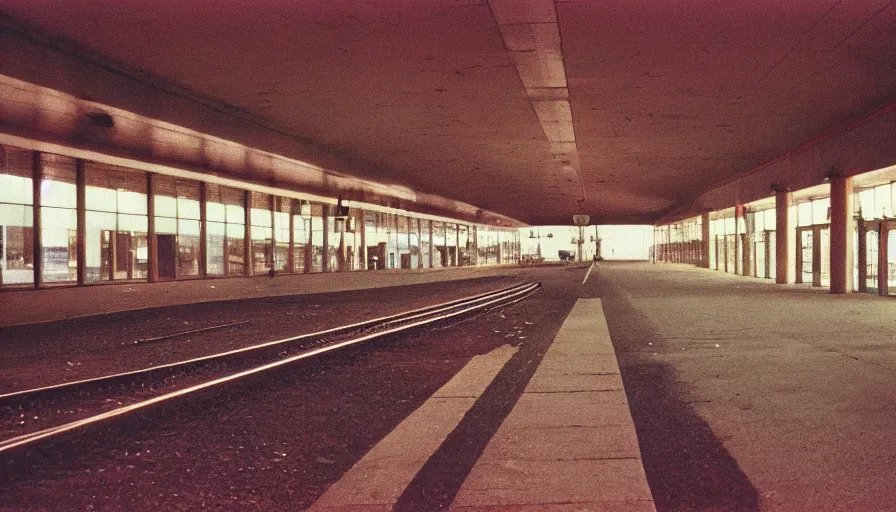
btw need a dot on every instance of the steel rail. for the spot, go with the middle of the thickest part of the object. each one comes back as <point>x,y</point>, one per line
<point>26,439</point>
<point>397,317</point>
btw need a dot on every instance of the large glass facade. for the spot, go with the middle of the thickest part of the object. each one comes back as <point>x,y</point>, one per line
<point>16,217</point>
<point>59,219</point>
<point>116,224</point>
<point>148,226</point>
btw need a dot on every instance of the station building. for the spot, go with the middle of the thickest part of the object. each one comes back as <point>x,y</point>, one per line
<point>835,235</point>
<point>66,220</point>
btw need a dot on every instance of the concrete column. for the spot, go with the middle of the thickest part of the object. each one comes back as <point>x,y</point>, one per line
<point>862,251</point>
<point>291,256</point>
<point>203,230</point>
<point>81,247</point>
<point>882,259</point>
<point>738,246</point>
<point>151,246</point>
<point>785,240</point>
<point>842,227</point>
<point>325,263</point>
<point>704,249</point>
<point>248,264</point>
<point>362,226</point>
<point>36,178</point>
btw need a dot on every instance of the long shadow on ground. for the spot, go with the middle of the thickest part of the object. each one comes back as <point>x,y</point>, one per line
<point>687,467</point>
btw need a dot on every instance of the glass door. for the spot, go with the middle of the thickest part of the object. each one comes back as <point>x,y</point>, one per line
<point>804,256</point>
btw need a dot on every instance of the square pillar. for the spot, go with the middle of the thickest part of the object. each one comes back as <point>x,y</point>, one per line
<point>785,238</point>
<point>704,236</point>
<point>842,227</point>
<point>883,287</point>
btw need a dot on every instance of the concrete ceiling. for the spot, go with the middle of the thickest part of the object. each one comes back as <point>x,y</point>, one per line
<point>533,109</point>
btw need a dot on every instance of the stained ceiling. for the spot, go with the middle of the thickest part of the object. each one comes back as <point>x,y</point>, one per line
<point>534,109</point>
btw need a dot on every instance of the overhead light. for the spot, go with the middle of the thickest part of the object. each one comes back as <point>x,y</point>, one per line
<point>101,119</point>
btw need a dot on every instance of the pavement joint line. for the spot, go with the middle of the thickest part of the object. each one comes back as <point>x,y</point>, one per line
<point>572,391</point>
<point>502,479</point>
<point>383,473</point>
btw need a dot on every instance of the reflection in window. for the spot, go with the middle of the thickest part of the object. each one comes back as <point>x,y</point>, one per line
<point>225,230</point>
<point>439,254</point>
<point>262,232</point>
<point>16,217</point>
<point>415,242</point>
<point>451,244</point>
<point>333,240</point>
<point>352,241</point>
<point>282,212</point>
<point>301,234</point>
<point>317,237</point>
<point>376,234</point>
<point>59,220</point>
<point>425,242</point>
<point>463,244</point>
<point>177,227</point>
<point>403,245</point>
<point>116,221</point>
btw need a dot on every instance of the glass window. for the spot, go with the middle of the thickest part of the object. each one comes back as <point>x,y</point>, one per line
<point>282,213</point>
<point>771,219</point>
<point>425,242</point>
<point>116,223</point>
<point>821,210</point>
<point>883,201</point>
<point>451,244</point>
<point>730,225</point>
<point>392,260</point>
<point>866,203</point>
<point>225,230</point>
<point>178,242</point>
<point>439,255</point>
<point>804,214</point>
<point>403,241</point>
<point>262,233</point>
<point>317,237</point>
<point>414,241</point>
<point>351,240</point>
<point>464,245</point>
<point>59,219</point>
<point>334,255</point>
<point>376,233</point>
<point>16,216</point>
<point>301,233</point>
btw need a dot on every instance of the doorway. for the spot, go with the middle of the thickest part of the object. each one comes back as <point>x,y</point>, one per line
<point>813,255</point>
<point>167,256</point>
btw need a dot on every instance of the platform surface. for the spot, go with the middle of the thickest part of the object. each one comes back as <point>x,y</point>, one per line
<point>569,443</point>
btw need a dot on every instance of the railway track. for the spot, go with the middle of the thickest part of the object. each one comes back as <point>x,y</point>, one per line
<point>34,417</point>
